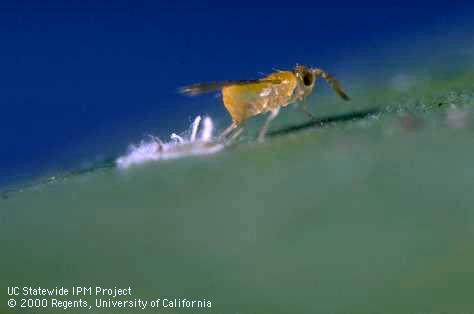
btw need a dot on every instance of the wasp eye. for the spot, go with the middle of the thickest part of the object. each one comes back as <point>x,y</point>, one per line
<point>308,79</point>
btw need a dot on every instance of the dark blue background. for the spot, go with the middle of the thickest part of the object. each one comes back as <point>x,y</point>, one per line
<point>80,80</point>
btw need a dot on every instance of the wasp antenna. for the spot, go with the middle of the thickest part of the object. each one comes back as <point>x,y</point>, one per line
<point>336,86</point>
<point>189,90</point>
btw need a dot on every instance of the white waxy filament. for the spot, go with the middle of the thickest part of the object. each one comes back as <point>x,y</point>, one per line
<point>177,138</point>
<point>207,130</point>
<point>195,127</point>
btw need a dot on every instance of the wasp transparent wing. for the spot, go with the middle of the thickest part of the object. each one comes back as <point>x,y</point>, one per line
<point>200,88</point>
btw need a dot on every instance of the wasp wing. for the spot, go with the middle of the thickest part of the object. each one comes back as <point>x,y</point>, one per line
<point>213,86</point>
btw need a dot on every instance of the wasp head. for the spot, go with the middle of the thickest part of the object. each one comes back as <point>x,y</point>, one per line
<point>306,81</point>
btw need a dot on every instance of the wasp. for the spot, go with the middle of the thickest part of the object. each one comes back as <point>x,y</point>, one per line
<point>245,99</point>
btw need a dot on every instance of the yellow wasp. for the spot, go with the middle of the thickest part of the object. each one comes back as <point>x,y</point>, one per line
<point>245,99</point>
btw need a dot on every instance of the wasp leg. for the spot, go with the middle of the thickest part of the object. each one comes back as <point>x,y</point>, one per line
<point>234,136</point>
<point>306,112</point>
<point>264,129</point>
<point>227,131</point>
